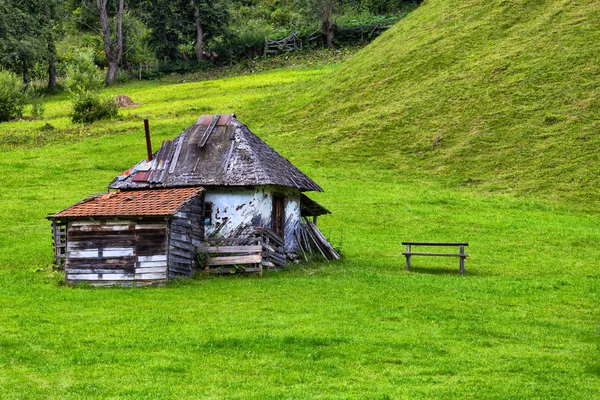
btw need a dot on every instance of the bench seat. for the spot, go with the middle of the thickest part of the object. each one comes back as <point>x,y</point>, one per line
<point>434,254</point>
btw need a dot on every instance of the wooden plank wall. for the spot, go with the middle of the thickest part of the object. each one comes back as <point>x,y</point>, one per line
<point>117,252</point>
<point>186,232</point>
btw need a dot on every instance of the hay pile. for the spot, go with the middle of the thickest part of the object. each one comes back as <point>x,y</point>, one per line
<point>124,101</point>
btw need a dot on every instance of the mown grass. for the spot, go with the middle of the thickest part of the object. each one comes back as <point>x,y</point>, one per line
<point>522,323</point>
<point>502,95</point>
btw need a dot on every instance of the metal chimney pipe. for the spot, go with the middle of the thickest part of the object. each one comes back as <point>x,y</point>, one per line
<point>148,142</point>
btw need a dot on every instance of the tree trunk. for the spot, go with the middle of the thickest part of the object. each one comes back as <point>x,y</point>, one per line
<point>327,28</point>
<point>114,52</point>
<point>25,72</point>
<point>111,74</point>
<point>51,51</point>
<point>199,32</point>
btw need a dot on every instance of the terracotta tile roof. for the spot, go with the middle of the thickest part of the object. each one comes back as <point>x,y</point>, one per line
<point>131,203</point>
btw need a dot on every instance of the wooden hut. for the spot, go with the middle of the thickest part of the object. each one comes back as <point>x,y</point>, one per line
<point>130,237</point>
<point>220,181</point>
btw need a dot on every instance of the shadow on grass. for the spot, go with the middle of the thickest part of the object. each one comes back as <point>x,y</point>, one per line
<point>440,271</point>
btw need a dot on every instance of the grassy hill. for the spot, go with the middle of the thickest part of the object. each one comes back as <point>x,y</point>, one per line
<point>500,95</point>
<point>413,139</point>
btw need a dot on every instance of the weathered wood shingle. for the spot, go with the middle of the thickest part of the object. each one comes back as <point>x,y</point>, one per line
<point>231,156</point>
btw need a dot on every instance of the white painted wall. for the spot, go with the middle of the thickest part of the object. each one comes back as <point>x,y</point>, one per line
<point>238,210</point>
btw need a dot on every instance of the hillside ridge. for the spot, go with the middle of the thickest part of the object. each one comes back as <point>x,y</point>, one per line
<point>503,95</point>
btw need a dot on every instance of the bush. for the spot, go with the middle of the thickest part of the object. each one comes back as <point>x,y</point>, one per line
<point>12,96</point>
<point>83,74</point>
<point>90,107</point>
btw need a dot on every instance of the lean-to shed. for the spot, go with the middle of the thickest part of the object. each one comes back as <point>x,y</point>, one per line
<point>130,237</point>
<point>215,180</point>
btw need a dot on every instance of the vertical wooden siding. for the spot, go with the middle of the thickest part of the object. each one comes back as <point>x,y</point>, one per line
<point>116,252</point>
<point>186,232</point>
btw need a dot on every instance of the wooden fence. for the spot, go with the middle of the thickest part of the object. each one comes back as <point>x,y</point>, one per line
<point>244,254</point>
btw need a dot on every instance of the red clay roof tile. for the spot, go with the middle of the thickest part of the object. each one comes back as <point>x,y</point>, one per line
<point>132,203</point>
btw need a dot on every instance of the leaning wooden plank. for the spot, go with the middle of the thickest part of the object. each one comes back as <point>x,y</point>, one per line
<point>235,260</point>
<point>324,242</point>
<point>314,240</point>
<point>267,264</point>
<point>297,236</point>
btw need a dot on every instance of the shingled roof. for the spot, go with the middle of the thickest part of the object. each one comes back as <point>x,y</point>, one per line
<point>217,150</point>
<point>160,202</point>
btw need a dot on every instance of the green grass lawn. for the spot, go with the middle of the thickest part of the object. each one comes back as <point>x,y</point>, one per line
<point>522,323</point>
<point>521,188</point>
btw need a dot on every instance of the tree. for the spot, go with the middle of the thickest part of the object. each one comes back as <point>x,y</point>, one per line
<point>22,26</point>
<point>328,11</point>
<point>50,15</point>
<point>199,32</point>
<point>112,48</point>
<point>179,23</point>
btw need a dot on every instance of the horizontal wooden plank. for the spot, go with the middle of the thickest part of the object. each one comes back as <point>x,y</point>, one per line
<point>111,277</point>
<point>232,240</point>
<point>149,276</point>
<point>181,245</point>
<point>117,252</point>
<point>229,270</point>
<point>150,226</point>
<point>100,227</point>
<point>95,271</point>
<point>152,258</point>
<point>150,270</point>
<point>436,243</point>
<point>151,264</point>
<point>182,260</point>
<point>180,252</point>
<point>231,249</point>
<point>252,259</point>
<point>434,254</point>
<point>83,254</point>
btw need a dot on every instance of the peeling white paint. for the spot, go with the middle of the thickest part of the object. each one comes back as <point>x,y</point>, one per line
<point>237,211</point>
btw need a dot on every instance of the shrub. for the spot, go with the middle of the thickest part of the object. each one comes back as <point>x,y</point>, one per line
<point>90,107</point>
<point>83,74</point>
<point>12,96</point>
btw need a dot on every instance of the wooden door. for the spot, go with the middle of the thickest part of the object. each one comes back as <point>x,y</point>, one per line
<point>278,215</point>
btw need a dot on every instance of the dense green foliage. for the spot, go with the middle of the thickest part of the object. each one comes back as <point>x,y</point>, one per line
<point>40,39</point>
<point>469,121</point>
<point>12,97</point>
<point>90,107</point>
<point>82,73</point>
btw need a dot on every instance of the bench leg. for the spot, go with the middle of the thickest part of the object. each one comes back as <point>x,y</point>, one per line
<point>408,257</point>
<point>462,260</point>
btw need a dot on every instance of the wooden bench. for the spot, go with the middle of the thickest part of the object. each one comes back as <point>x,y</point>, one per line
<point>409,253</point>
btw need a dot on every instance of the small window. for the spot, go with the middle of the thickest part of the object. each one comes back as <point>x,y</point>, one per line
<point>208,206</point>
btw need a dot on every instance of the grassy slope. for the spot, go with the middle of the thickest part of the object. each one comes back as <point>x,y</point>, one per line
<point>503,95</point>
<point>523,323</point>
